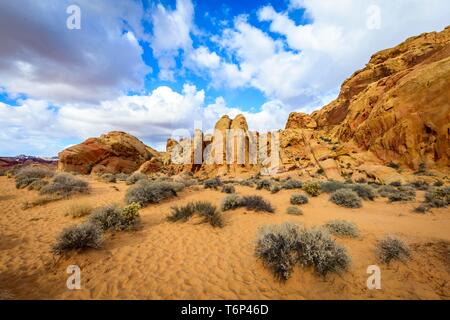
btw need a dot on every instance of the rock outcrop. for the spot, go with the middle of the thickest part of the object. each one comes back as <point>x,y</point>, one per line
<point>110,153</point>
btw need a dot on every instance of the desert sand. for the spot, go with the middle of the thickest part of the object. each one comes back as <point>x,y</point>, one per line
<point>163,260</point>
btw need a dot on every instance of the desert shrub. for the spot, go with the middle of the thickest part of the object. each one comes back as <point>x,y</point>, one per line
<point>247,183</point>
<point>346,198</point>
<point>177,185</point>
<point>317,249</point>
<point>423,208</point>
<point>420,185</point>
<point>438,183</point>
<point>332,186</point>
<point>293,210</point>
<point>122,176</point>
<point>395,184</point>
<point>113,217</point>
<point>65,184</point>
<point>135,177</point>
<point>421,170</point>
<point>393,165</point>
<point>342,228</point>
<point>145,192</point>
<point>27,175</point>
<point>298,199</point>
<point>403,193</point>
<point>83,236</point>
<point>257,203</point>
<point>108,177</point>
<point>276,245</point>
<point>312,188</point>
<point>228,189</point>
<point>292,184</point>
<point>263,184</point>
<point>212,183</point>
<point>79,210</point>
<point>37,185</point>
<point>438,197</point>
<point>130,215</point>
<point>364,191</point>
<point>392,248</point>
<point>386,191</point>
<point>206,210</point>
<point>232,202</point>
<point>275,188</point>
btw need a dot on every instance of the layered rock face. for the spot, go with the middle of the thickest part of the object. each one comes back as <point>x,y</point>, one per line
<point>112,152</point>
<point>398,106</point>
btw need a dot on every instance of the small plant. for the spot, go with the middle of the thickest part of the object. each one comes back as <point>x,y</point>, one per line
<point>393,165</point>
<point>83,236</point>
<point>40,201</point>
<point>28,175</point>
<point>438,197</point>
<point>122,176</point>
<point>275,188</point>
<point>346,198</point>
<point>65,185</point>
<point>364,191</point>
<point>403,193</point>
<point>212,183</point>
<point>395,184</point>
<point>109,177</point>
<point>438,183</point>
<point>130,215</point>
<point>263,184</point>
<point>422,169</point>
<point>247,183</point>
<point>420,185</point>
<point>113,217</point>
<point>206,210</point>
<point>79,210</point>
<point>276,245</point>
<point>37,185</point>
<point>392,248</point>
<point>145,192</point>
<point>423,208</point>
<point>228,188</point>
<point>342,228</point>
<point>135,177</point>
<point>257,203</point>
<point>292,184</point>
<point>296,211</point>
<point>312,188</point>
<point>332,186</point>
<point>232,202</point>
<point>298,199</point>
<point>386,190</point>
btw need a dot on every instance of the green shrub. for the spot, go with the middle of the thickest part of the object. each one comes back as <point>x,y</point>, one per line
<point>135,177</point>
<point>79,210</point>
<point>315,248</point>
<point>312,188</point>
<point>346,198</point>
<point>364,191</point>
<point>257,203</point>
<point>232,202</point>
<point>403,193</point>
<point>228,189</point>
<point>332,186</point>
<point>130,215</point>
<point>392,248</point>
<point>298,199</point>
<point>113,217</point>
<point>86,235</point>
<point>212,183</point>
<point>206,210</point>
<point>276,245</point>
<point>263,184</point>
<point>292,184</point>
<point>65,185</point>
<point>145,192</point>
<point>296,211</point>
<point>342,228</point>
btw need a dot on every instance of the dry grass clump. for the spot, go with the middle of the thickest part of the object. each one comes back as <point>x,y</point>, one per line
<point>65,185</point>
<point>342,228</point>
<point>332,186</point>
<point>232,202</point>
<point>346,198</point>
<point>364,191</point>
<point>295,211</point>
<point>83,236</point>
<point>404,193</point>
<point>135,177</point>
<point>37,185</point>
<point>298,199</point>
<point>392,248</point>
<point>27,175</point>
<point>40,201</point>
<point>206,210</point>
<point>282,246</point>
<point>257,203</point>
<point>291,184</point>
<point>79,210</point>
<point>212,183</point>
<point>146,192</point>
<point>228,188</point>
<point>312,188</point>
<point>116,218</point>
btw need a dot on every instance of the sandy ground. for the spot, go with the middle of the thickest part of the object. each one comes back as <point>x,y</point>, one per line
<point>164,260</point>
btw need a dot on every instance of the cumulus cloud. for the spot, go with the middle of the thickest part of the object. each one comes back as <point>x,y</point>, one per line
<point>42,59</point>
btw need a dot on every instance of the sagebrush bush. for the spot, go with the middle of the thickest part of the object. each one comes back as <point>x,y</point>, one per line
<point>122,176</point>
<point>364,191</point>
<point>37,185</point>
<point>317,249</point>
<point>275,188</point>
<point>108,177</point>
<point>27,175</point>
<point>332,186</point>
<point>65,185</point>
<point>130,215</point>
<point>292,184</point>
<point>135,177</point>
<point>206,210</point>
<point>232,202</point>
<point>404,193</point>
<point>83,236</point>
<point>257,203</point>
<point>146,192</point>
<point>386,190</point>
<point>346,198</point>
<point>293,210</point>
<point>438,183</point>
<point>247,183</point>
<point>342,228</point>
<point>113,217</point>
<point>392,248</point>
<point>423,208</point>
<point>263,184</point>
<point>298,199</point>
<point>79,210</point>
<point>438,197</point>
<point>420,185</point>
<point>228,188</point>
<point>276,246</point>
<point>312,188</point>
<point>395,184</point>
<point>212,183</point>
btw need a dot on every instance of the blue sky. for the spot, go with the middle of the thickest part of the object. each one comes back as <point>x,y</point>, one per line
<point>153,67</point>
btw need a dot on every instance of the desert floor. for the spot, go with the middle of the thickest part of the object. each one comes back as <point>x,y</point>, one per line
<point>164,260</point>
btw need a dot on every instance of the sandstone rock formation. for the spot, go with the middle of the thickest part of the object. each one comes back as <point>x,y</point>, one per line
<point>112,153</point>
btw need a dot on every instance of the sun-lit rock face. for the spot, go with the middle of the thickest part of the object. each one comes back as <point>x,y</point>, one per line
<point>112,152</point>
<point>398,106</point>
